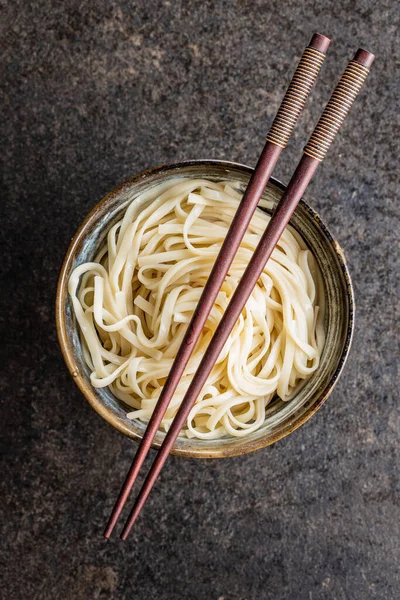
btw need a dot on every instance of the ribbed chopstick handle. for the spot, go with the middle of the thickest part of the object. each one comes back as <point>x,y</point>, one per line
<point>338,106</point>
<point>297,93</point>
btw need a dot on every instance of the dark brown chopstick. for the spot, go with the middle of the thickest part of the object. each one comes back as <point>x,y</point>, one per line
<point>278,136</point>
<point>332,118</point>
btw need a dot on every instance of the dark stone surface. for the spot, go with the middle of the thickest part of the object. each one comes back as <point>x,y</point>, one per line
<point>92,93</point>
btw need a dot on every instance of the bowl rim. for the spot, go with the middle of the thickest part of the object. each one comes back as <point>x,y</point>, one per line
<point>88,391</point>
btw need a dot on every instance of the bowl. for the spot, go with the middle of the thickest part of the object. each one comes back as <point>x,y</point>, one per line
<point>281,418</point>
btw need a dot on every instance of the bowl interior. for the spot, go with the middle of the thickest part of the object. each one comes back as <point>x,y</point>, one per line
<point>282,418</point>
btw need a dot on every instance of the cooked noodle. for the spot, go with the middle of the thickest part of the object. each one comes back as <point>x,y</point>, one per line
<point>134,301</point>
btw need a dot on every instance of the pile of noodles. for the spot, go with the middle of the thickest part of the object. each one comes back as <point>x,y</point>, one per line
<point>133,304</point>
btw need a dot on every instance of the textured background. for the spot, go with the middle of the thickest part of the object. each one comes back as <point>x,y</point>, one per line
<point>94,92</point>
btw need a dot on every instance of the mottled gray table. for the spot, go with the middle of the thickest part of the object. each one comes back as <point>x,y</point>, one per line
<point>94,92</point>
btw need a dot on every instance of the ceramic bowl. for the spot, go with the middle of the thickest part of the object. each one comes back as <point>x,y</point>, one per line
<point>282,418</point>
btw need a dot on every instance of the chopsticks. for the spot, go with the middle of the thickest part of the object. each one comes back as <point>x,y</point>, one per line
<point>314,152</point>
<point>277,139</point>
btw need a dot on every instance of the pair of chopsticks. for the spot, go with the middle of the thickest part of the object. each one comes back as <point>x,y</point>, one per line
<point>327,127</point>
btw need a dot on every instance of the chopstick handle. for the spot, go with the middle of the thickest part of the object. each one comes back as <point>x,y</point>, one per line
<point>298,91</point>
<point>339,105</point>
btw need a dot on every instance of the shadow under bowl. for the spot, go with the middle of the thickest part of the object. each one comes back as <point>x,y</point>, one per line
<point>281,418</point>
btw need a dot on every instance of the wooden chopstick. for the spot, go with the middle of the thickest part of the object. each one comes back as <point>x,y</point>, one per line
<point>330,122</point>
<point>278,136</point>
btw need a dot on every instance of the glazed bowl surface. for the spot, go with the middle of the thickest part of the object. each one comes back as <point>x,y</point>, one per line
<point>281,418</point>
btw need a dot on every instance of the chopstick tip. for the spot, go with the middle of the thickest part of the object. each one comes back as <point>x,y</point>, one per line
<point>108,531</point>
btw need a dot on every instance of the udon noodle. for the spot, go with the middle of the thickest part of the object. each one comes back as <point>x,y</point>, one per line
<point>134,301</point>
